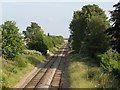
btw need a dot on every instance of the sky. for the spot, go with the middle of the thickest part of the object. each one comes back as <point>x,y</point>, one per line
<point>53,16</point>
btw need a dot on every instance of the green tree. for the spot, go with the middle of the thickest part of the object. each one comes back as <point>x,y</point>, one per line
<point>114,30</point>
<point>96,41</point>
<point>34,36</point>
<point>70,41</point>
<point>36,39</point>
<point>32,32</point>
<point>81,26</point>
<point>12,43</point>
<point>77,28</point>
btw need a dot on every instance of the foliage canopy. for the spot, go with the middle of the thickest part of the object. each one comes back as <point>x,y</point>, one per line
<point>87,29</point>
<point>12,43</point>
<point>37,40</point>
<point>114,30</point>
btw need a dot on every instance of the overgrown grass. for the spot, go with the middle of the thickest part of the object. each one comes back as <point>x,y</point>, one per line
<point>13,71</point>
<point>84,72</point>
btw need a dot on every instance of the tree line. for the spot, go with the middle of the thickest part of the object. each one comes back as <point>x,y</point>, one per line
<point>13,43</point>
<point>93,36</point>
<point>37,40</point>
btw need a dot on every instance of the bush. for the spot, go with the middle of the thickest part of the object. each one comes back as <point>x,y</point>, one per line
<point>53,41</point>
<point>32,52</point>
<point>110,61</point>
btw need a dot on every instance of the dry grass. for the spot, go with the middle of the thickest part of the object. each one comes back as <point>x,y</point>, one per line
<point>12,72</point>
<point>83,72</point>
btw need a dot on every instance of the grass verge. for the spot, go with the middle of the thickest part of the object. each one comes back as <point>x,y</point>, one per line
<point>83,72</point>
<point>13,71</point>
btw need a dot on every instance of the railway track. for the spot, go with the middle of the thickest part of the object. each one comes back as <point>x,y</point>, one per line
<point>51,75</point>
<point>57,81</point>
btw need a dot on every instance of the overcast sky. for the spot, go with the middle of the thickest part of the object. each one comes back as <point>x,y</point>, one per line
<point>54,17</point>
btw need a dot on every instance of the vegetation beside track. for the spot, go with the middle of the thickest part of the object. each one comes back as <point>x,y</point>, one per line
<point>97,47</point>
<point>84,72</point>
<point>13,71</point>
<point>17,61</point>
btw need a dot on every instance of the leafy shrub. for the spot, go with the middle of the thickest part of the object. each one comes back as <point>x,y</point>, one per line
<point>110,61</point>
<point>32,52</point>
<point>39,46</point>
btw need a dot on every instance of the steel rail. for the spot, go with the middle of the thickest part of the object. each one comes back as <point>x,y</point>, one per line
<point>51,61</point>
<point>41,81</point>
<point>61,74</point>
